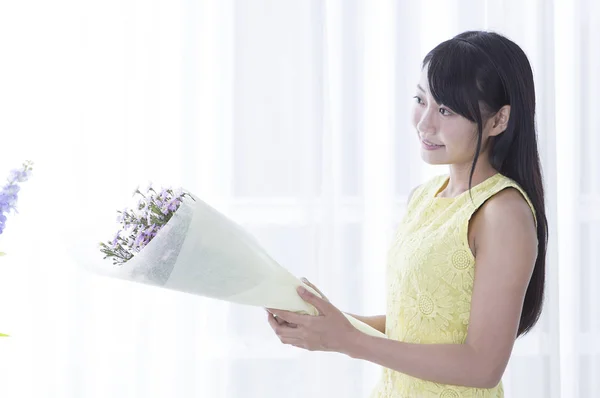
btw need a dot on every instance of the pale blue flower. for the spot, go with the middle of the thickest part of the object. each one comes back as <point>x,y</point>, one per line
<point>8,194</point>
<point>174,204</point>
<point>115,241</point>
<point>19,175</point>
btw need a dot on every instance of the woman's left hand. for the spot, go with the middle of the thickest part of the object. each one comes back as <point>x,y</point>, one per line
<point>328,331</point>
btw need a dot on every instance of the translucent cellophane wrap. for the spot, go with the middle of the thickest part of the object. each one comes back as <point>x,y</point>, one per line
<point>200,251</point>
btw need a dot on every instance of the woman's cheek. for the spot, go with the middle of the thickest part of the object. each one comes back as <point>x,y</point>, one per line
<point>416,116</point>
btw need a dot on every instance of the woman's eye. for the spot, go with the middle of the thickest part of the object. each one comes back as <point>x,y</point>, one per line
<point>418,99</point>
<point>445,112</point>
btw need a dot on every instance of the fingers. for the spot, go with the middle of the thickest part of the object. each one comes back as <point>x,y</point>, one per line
<point>290,317</point>
<point>306,281</point>
<point>279,320</point>
<point>272,321</point>
<point>316,289</point>
<point>288,333</point>
<point>285,331</point>
<point>295,342</point>
<point>323,306</point>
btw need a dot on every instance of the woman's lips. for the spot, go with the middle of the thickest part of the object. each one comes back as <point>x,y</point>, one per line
<point>430,146</point>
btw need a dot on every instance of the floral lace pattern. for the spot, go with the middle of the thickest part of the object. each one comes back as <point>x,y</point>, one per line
<point>430,277</point>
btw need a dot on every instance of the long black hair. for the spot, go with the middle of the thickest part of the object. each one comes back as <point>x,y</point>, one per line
<point>475,74</point>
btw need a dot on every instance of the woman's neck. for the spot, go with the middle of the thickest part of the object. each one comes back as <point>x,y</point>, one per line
<point>459,178</point>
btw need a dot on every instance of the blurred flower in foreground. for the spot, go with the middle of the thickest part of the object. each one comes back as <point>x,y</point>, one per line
<point>9,194</point>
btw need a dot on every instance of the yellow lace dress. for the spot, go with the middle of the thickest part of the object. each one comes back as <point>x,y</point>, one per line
<point>430,281</point>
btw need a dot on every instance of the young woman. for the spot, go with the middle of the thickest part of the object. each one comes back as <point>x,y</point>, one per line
<point>466,269</point>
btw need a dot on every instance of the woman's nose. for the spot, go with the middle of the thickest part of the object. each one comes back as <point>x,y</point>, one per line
<point>427,123</point>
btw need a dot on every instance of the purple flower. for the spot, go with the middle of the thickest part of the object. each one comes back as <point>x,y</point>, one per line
<point>11,189</point>
<point>19,175</point>
<point>2,222</point>
<point>142,203</point>
<point>142,223</point>
<point>174,204</point>
<point>7,202</point>
<point>122,215</point>
<point>140,240</point>
<point>8,199</point>
<point>8,194</point>
<point>115,240</point>
<point>150,232</point>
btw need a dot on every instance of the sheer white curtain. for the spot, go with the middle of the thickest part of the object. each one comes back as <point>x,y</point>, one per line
<point>578,194</point>
<point>292,117</point>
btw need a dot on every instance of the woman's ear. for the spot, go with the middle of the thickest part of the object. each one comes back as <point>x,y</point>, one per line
<point>500,121</point>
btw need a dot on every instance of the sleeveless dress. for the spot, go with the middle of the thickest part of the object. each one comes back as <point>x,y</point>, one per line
<point>430,276</point>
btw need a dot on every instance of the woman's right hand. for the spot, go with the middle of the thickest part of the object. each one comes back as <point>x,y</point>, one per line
<point>307,283</point>
<point>316,289</point>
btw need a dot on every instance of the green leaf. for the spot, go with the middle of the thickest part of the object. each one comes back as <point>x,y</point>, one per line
<point>2,254</point>
<point>3,335</point>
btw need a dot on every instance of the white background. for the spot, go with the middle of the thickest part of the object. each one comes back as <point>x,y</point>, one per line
<point>291,117</point>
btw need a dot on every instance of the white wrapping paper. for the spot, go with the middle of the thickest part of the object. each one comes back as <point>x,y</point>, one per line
<point>200,251</point>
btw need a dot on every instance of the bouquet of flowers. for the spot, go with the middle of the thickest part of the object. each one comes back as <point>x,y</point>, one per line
<point>139,226</point>
<point>174,240</point>
<point>9,194</point>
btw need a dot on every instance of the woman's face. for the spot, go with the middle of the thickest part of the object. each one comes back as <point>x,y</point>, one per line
<point>446,137</point>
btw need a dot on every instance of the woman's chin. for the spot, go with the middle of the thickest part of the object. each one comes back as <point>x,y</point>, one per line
<point>432,160</point>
